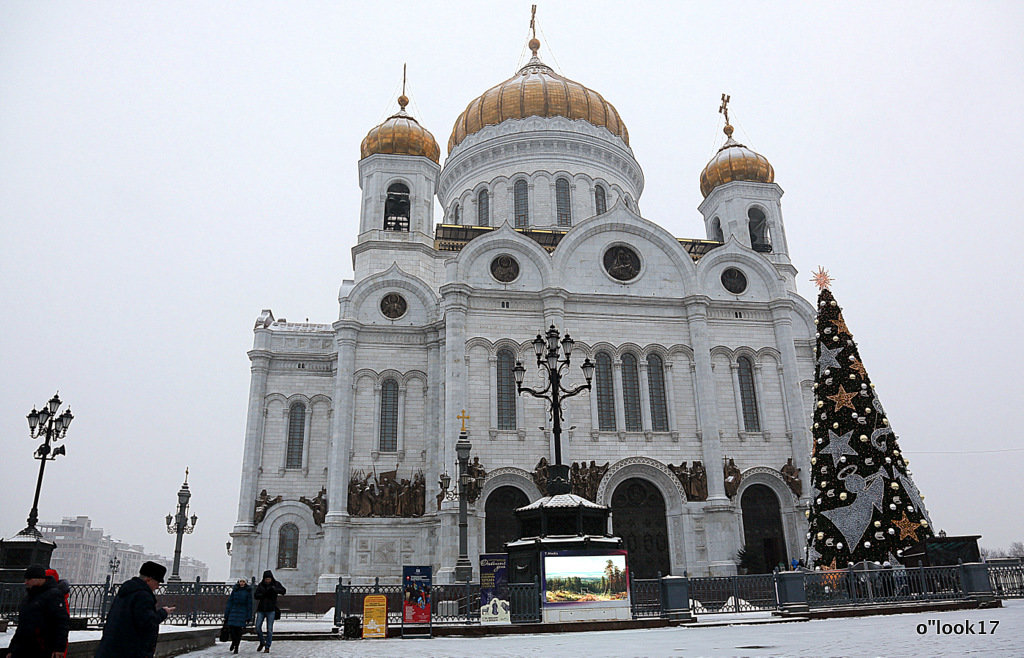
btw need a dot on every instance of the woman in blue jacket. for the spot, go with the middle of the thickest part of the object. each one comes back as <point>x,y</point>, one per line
<point>238,612</point>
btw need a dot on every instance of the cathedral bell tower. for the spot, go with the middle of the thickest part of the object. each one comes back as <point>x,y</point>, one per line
<point>398,173</point>
<point>742,201</point>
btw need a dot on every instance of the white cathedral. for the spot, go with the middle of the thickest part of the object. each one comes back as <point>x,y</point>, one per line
<point>703,351</point>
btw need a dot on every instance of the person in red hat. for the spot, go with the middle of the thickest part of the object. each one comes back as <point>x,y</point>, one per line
<point>42,619</point>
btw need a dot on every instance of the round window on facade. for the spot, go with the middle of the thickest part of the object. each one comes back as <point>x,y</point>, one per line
<point>393,306</point>
<point>734,280</point>
<point>504,268</point>
<point>622,263</point>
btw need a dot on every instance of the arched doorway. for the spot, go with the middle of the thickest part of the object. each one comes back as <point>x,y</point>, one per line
<point>638,516</point>
<point>499,517</point>
<point>763,537</point>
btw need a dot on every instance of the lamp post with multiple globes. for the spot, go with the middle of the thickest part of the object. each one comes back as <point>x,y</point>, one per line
<point>179,524</point>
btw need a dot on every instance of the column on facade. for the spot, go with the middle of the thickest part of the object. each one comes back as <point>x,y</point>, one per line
<point>734,375</point>
<point>782,320</point>
<point>455,303</point>
<point>620,409</point>
<point>492,391</point>
<point>253,435</point>
<point>341,430</point>
<point>696,399</point>
<point>670,398</point>
<point>432,423</point>
<point>785,401</point>
<point>711,442</point>
<point>645,394</point>
<point>400,439</point>
<point>759,400</point>
<point>307,426</point>
<point>378,389</point>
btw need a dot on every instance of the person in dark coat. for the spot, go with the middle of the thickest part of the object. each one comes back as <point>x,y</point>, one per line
<point>42,618</point>
<point>266,593</point>
<point>238,612</point>
<point>133,622</point>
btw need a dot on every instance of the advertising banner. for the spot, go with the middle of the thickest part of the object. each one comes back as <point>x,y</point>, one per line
<point>375,616</point>
<point>416,583</point>
<point>494,604</point>
<point>593,577</point>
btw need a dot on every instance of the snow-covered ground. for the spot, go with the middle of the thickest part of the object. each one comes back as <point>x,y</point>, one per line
<point>891,635</point>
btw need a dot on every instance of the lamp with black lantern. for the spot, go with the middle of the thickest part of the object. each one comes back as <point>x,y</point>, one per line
<point>180,524</point>
<point>28,546</point>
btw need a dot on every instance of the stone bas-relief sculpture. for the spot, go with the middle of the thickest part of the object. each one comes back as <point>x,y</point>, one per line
<point>584,479</point>
<point>791,475</point>
<point>694,480</point>
<point>318,505</point>
<point>264,503</point>
<point>370,494</point>
<point>732,478</point>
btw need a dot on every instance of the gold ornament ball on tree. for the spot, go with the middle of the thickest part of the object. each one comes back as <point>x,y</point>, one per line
<point>842,496</point>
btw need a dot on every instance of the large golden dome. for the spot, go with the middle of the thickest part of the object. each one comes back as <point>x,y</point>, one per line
<point>536,90</point>
<point>733,162</point>
<point>401,134</point>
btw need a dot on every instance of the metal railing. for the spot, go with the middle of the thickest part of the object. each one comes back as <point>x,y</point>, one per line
<point>731,594</point>
<point>827,589</point>
<point>524,602</point>
<point>645,597</point>
<point>1007,581</point>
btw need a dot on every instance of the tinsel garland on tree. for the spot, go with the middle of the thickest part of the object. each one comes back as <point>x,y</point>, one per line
<point>865,505</point>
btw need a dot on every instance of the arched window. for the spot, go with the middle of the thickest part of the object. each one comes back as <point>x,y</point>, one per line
<point>456,216</point>
<point>748,396</point>
<point>288,547</point>
<point>506,388</point>
<point>296,434</point>
<point>656,380</point>
<point>389,416</point>
<point>396,208</point>
<point>483,209</point>
<point>631,393</point>
<point>600,200</point>
<point>605,393</point>
<point>716,231</point>
<point>563,205</point>
<point>522,204</point>
<point>760,237</point>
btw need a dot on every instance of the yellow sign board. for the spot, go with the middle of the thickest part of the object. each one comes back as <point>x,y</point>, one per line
<point>375,616</point>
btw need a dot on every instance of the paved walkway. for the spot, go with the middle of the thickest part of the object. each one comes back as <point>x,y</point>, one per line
<point>892,635</point>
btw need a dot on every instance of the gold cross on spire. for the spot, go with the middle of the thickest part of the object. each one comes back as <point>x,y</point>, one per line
<point>724,108</point>
<point>463,417</point>
<point>403,79</point>
<point>403,100</point>
<point>186,475</point>
<point>533,21</point>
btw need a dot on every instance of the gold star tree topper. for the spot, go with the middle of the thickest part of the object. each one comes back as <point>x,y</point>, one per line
<point>821,278</point>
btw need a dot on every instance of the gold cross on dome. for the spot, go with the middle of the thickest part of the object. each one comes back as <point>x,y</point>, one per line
<point>724,108</point>
<point>533,21</point>
<point>463,417</point>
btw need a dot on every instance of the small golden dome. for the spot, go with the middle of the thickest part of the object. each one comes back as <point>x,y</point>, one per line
<point>733,162</point>
<point>536,90</point>
<point>401,134</point>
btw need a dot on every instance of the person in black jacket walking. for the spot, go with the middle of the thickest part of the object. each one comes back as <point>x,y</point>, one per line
<point>133,622</point>
<point>266,593</point>
<point>238,612</point>
<point>42,619</point>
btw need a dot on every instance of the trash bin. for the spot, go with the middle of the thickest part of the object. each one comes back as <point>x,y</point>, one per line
<point>353,628</point>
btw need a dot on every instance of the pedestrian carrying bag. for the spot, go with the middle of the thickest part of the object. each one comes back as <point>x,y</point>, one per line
<point>225,634</point>
<point>277,613</point>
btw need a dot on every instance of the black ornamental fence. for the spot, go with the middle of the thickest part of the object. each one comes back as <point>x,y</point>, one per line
<point>672,597</point>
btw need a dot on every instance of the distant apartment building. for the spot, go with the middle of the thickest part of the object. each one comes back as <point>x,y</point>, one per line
<point>84,553</point>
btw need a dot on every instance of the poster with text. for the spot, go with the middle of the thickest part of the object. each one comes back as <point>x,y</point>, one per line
<point>416,595</point>
<point>494,603</point>
<point>375,616</point>
<point>572,577</point>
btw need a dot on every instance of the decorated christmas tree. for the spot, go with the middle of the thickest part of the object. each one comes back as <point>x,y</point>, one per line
<point>865,504</point>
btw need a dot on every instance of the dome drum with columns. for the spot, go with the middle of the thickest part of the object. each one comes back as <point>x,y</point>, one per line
<point>703,350</point>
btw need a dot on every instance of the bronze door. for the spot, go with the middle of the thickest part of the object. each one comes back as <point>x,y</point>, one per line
<point>638,517</point>
<point>762,528</point>
<point>500,524</point>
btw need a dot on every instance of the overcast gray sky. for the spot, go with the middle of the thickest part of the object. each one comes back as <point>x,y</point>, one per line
<point>169,169</point>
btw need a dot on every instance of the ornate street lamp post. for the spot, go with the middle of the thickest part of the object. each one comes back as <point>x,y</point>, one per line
<point>47,424</point>
<point>179,525</point>
<point>549,359</point>
<point>463,567</point>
